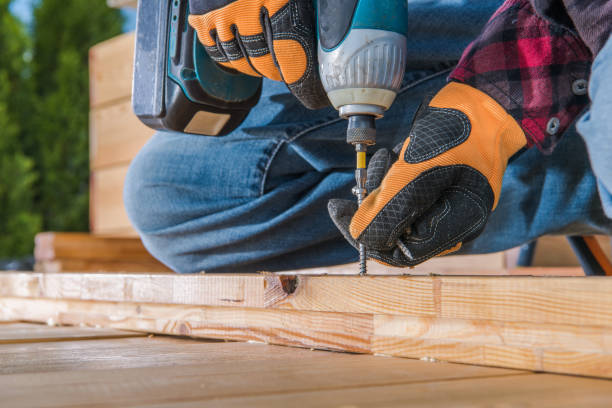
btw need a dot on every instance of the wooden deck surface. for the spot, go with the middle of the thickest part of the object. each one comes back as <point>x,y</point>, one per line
<point>44,366</point>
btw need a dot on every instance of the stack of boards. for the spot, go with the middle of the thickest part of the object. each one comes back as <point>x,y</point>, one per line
<point>116,134</point>
<point>551,324</point>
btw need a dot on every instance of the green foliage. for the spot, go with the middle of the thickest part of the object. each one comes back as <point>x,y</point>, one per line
<point>18,219</point>
<point>62,154</point>
<point>75,26</point>
<point>58,134</point>
<point>44,170</point>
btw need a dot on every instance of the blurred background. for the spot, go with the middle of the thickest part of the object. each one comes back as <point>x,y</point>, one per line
<point>44,152</point>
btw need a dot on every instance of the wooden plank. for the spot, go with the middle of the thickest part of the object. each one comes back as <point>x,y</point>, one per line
<point>579,301</point>
<point>495,264</point>
<point>498,333</point>
<point>207,290</point>
<point>72,265</point>
<point>122,3</point>
<point>553,348</point>
<point>115,134</point>
<point>329,331</point>
<point>107,212</point>
<point>567,300</point>
<point>110,70</point>
<point>539,390</point>
<point>27,333</point>
<point>140,352</point>
<point>113,354</point>
<point>216,371</point>
<point>555,250</point>
<point>70,252</point>
<point>531,323</point>
<point>459,352</point>
<point>50,246</point>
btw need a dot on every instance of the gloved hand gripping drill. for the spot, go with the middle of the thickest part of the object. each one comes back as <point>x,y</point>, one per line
<point>361,56</point>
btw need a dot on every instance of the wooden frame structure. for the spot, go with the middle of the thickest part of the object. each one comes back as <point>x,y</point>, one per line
<point>552,324</point>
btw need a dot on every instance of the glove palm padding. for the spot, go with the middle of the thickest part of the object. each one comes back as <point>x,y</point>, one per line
<point>271,38</point>
<point>440,191</point>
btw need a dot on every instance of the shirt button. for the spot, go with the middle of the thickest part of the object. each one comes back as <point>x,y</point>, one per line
<point>579,87</point>
<point>552,127</point>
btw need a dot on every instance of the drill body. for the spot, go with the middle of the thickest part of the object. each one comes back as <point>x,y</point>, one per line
<point>362,58</point>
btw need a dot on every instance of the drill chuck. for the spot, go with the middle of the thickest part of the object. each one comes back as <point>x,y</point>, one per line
<point>361,129</point>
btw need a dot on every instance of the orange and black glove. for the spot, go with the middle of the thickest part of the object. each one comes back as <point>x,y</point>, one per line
<point>271,38</point>
<point>442,188</point>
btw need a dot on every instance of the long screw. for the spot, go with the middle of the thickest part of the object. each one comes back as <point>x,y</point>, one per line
<point>360,192</point>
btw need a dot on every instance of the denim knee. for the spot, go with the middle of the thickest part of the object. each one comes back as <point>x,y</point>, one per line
<point>147,196</point>
<point>184,194</point>
<point>136,196</point>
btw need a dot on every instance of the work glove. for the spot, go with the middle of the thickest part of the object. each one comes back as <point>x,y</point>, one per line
<point>271,38</point>
<point>439,192</point>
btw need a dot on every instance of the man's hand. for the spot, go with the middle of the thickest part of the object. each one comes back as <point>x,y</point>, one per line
<point>271,38</point>
<point>440,191</point>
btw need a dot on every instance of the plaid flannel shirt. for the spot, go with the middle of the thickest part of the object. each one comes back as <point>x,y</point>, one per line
<point>536,68</point>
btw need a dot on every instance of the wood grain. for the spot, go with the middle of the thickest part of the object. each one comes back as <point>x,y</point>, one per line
<point>498,333</point>
<point>329,331</point>
<point>568,300</point>
<point>107,212</point>
<point>478,265</point>
<point>110,70</point>
<point>561,325</point>
<point>524,391</point>
<point>555,251</point>
<point>217,371</point>
<point>140,352</point>
<point>513,345</point>
<point>27,333</point>
<point>50,246</point>
<point>580,301</point>
<point>116,134</point>
<point>72,265</point>
<point>70,252</point>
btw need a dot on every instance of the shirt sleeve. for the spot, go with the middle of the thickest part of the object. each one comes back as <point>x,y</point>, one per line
<point>533,66</point>
<point>591,19</point>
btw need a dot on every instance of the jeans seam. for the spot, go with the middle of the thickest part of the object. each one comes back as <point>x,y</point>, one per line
<point>272,156</point>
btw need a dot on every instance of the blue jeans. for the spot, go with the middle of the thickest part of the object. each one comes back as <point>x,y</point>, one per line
<point>257,198</point>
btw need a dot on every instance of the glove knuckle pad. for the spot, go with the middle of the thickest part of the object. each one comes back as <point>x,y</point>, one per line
<point>441,207</point>
<point>459,216</point>
<point>436,131</point>
<point>401,210</point>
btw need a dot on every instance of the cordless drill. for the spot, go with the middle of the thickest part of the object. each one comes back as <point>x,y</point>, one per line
<point>362,58</point>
